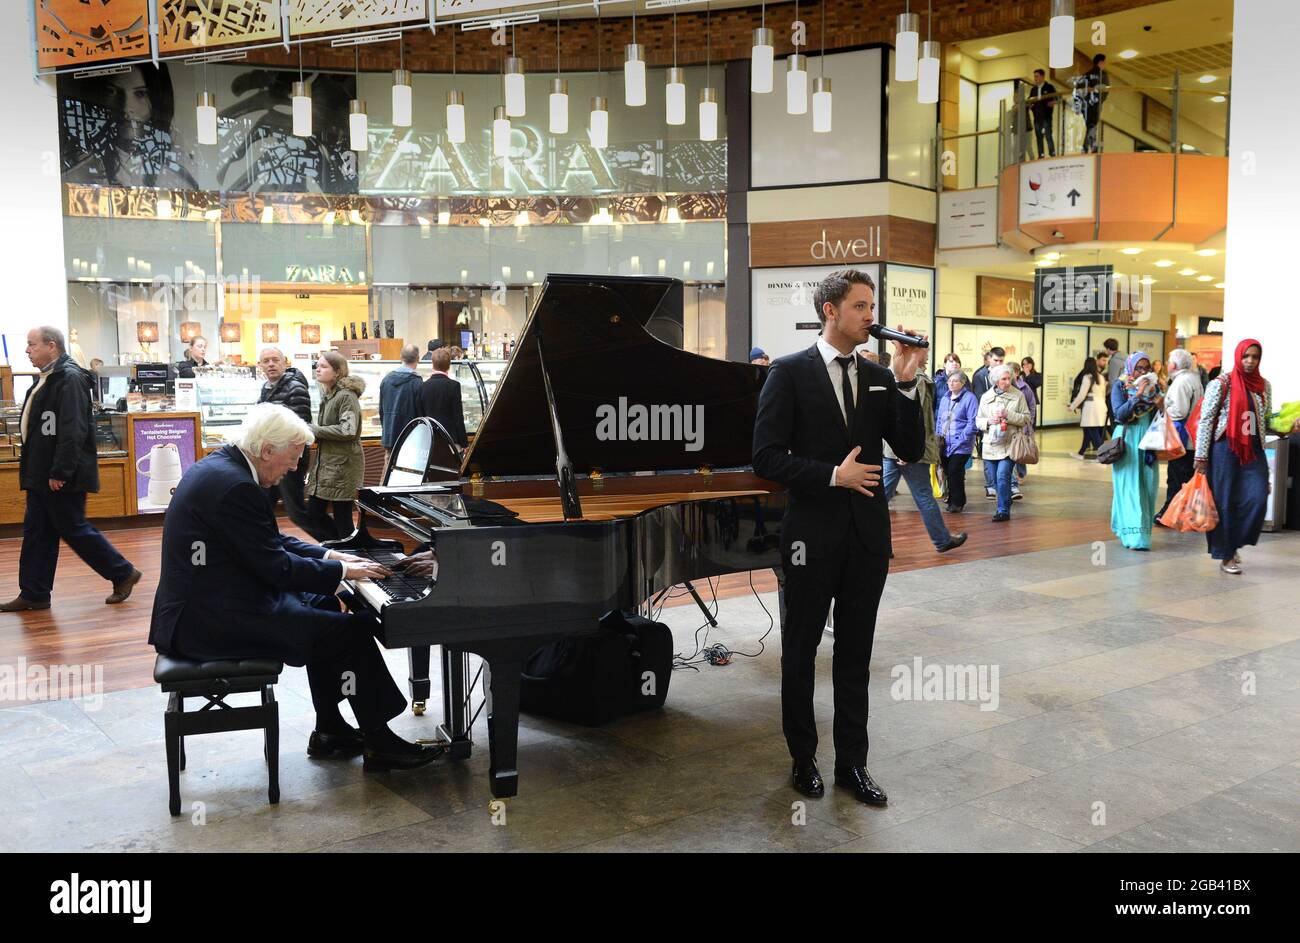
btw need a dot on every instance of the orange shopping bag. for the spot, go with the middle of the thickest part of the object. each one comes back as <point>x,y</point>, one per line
<point>1174,447</point>
<point>1192,509</point>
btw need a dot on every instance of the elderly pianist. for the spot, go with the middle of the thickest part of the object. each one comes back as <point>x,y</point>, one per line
<point>233,586</point>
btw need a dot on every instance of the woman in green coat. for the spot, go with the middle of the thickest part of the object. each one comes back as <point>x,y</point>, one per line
<point>336,470</point>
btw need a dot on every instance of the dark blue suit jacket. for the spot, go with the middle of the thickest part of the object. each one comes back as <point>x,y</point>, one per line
<point>226,568</point>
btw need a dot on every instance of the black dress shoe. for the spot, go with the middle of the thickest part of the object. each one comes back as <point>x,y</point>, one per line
<point>863,787</point>
<point>330,746</point>
<point>808,780</point>
<point>953,542</point>
<point>999,518</point>
<point>413,756</point>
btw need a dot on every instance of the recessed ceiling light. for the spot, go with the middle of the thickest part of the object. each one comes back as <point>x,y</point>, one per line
<point>1205,278</point>
<point>1207,79</point>
<point>1148,280</point>
<point>990,51</point>
<point>1052,256</point>
<point>1128,54</point>
<point>1130,251</point>
<point>1220,284</point>
<point>1043,263</point>
<point>1207,252</point>
<point>1219,99</point>
<point>1187,271</point>
<point>1164,263</point>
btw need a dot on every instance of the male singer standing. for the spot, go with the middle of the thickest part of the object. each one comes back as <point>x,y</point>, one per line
<point>821,411</point>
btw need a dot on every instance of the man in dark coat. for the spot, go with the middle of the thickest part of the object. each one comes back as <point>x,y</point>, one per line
<point>399,397</point>
<point>232,586</point>
<point>59,465</point>
<point>823,415</point>
<point>441,400</point>
<point>287,387</point>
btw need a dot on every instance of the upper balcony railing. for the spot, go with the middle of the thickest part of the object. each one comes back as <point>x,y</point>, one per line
<point>1174,116</point>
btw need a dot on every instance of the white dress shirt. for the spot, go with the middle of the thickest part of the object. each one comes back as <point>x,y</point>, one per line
<point>835,372</point>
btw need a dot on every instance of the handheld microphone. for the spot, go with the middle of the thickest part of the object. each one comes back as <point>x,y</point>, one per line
<point>886,334</point>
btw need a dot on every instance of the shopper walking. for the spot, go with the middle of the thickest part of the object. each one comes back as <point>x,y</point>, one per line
<point>287,386</point>
<point>980,384</point>
<point>1090,403</point>
<point>339,464</point>
<point>954,423</point>
<point>918,473</point>
<point>1042,106</point>
<point>1002,413</point>
<point>1230,451</point>
<point>1185,392</point>
<point>1134,478</point>
<point>59,465</point>
<point>1031,403</point>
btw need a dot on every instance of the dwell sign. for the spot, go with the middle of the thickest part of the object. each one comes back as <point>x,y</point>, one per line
<point>843,242</point>
<point>1006,299</point>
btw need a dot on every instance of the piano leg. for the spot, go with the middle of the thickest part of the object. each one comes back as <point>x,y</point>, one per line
<point>502,681</point>
<point>454,709</point>
<point>419,677</point>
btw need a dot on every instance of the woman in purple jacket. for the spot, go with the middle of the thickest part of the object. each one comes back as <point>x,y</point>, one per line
<point>954,424</point>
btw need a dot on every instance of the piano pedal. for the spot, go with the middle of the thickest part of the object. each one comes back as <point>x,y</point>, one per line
<point>418,708</point>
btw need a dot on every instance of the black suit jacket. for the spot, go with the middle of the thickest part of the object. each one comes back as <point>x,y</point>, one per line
<point>800,437</point>
<point>440,399</point>
<point>60,441</point>
<point>225,562</point>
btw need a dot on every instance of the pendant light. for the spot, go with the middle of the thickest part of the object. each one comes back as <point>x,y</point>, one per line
<point>1060,35</point>
<point>796,78</point>
<point>402,106</point>
<point>301,103</point>
<point>708,94</point>
<point>500,132</point>
<point>760,66</point>
<point>559,89</point>
<point>455,103</point>
<point>634,69</point>
<point>821,98</point>
<point>675,91</point>
<point>907,41</point>
<point>514,81</point>
<point>206,113</point>
<point>598,125</point>
<point>358,123</point>
<point>927,84</point>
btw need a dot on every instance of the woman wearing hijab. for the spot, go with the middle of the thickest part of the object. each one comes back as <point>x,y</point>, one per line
<point>1135,478</point>
<point>1230,451</point>
<point>954,423</point>
<point>1002,413</point>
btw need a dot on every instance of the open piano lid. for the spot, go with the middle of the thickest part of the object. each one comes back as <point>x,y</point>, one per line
<point>605,370</point>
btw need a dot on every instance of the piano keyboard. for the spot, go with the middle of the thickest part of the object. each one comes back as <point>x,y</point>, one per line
<point>396,588</point>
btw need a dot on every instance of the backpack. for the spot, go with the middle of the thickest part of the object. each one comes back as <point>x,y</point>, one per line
<point>591,680</point>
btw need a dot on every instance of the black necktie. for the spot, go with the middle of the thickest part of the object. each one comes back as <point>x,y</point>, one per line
<point>847,388</point>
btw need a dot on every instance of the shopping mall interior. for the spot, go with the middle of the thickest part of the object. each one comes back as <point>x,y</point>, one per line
<point>645,201</point>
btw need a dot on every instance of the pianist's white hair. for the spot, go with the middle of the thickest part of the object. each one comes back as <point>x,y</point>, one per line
<point>274,425</point>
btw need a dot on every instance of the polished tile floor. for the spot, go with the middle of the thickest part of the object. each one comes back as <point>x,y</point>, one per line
<point>1144,702</point>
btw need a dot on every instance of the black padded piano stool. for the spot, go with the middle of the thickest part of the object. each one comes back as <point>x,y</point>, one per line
<point>214,681</point>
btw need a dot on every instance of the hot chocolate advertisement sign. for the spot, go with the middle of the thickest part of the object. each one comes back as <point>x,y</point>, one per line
<point>164,451</point>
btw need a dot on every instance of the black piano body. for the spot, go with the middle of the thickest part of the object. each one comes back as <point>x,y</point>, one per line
<point>572,502</point>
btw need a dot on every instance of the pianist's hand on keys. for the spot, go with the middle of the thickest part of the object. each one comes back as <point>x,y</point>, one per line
<point>365,570</point>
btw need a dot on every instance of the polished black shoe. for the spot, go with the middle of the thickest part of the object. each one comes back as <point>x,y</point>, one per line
<point>412,756</point>
<point>859,782</point>
<point>332,746</point>
<point>808,780</point>
<point>953,542</point>
<point>999,518</point>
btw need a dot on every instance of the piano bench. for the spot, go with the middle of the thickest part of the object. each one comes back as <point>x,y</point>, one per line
<point>214,681</point>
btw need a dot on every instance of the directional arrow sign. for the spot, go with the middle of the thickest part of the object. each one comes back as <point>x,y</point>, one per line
<point>1073,197</point>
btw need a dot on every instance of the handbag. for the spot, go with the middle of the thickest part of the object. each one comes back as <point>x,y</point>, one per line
<point>1112,450</point>
<point>1192,509</point>
<point>1023,449</point>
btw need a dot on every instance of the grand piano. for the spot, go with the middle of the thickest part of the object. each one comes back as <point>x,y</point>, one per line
<point>610,467</point>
